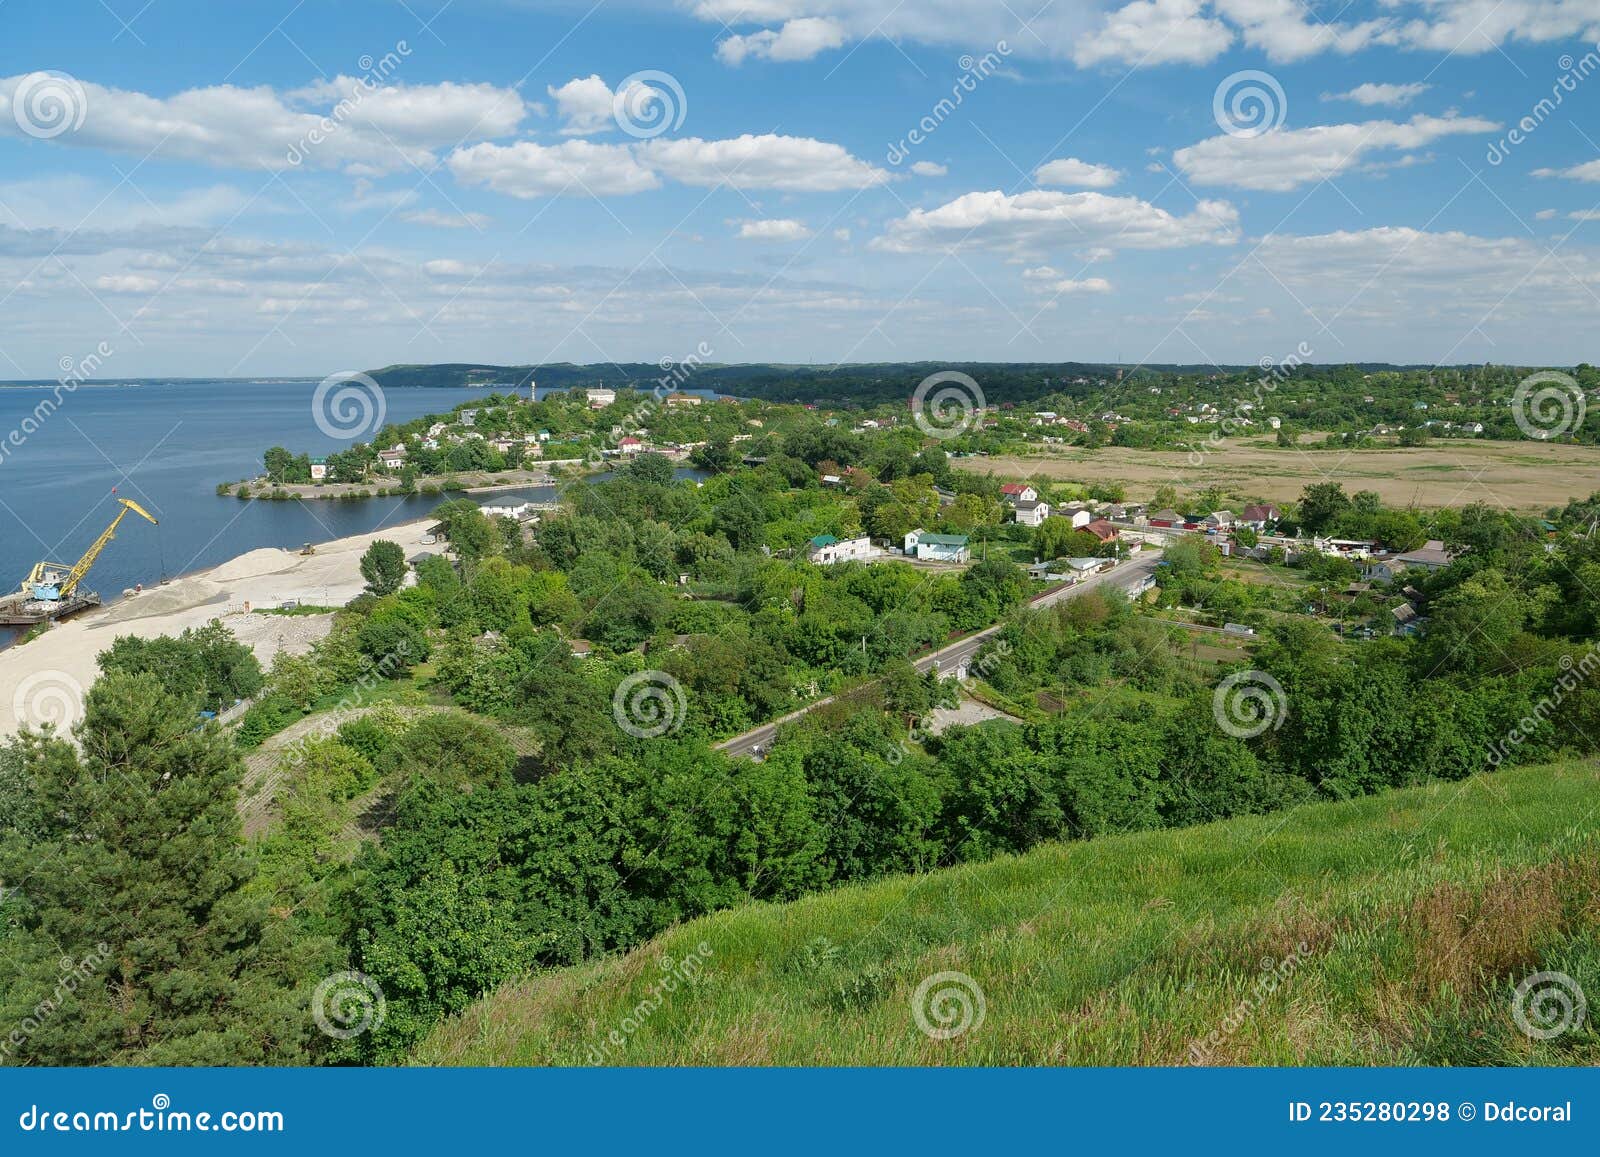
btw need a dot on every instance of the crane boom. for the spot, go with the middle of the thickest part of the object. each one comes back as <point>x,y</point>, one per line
<point>40,583</point>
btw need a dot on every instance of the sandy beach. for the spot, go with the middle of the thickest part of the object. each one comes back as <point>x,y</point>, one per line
<point>44,680</point>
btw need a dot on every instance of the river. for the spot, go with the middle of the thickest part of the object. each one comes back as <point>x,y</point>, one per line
<point>166,445</point>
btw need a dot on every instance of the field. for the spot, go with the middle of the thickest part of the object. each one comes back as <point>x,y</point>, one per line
<point>1527,476</point>
<point>1389,930</point>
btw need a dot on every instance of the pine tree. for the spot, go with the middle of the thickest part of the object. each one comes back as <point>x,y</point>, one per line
<point>135,939</point>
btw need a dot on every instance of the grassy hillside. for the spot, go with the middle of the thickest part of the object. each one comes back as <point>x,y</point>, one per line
<point>1389,930</point>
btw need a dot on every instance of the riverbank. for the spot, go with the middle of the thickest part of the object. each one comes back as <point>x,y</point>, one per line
<point>45,679</point>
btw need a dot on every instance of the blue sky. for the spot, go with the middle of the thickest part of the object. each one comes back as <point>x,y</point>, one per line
<point>300,189</point>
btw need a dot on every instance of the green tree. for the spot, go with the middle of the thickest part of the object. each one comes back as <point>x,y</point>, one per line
<point>207,662</point>
<point>384,567</point>
<point>146,893</point>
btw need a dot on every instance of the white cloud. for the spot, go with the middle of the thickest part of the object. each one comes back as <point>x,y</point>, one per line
<point>1584,215</point>
<point>841,234</point>
<point>928,169</point>
<point>585,104</point>
<point>1155,32</point>
<point>573,168</point>
<point>1041,273</point>
<point>799,39</point>
<point>329,125</point>
<point>1545,215</point>
<point>1282,30</point>
<point>439,219</point>
<point>1389,95</point>
<point>1023,223</point>
<point>768,161</point>
<point>128,283</point>
<point>1073,173</point>
<point>1288,158</point>
<point>1068,286</point>
<point>1588,171</point>
<point>774,229</point>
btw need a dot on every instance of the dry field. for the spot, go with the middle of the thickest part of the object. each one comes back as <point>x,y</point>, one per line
<point>1526,476</point>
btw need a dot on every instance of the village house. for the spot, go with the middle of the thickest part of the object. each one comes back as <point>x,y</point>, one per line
<point>393,458</point>
<point>825,549</point>
<point>1015,492</point>
<point>1431,556</point>
<point>675,400</point>
<point>937,547</point>
<point>1218,520</point>
<point>599,399</point>
<point>469,417</point>
<point>1166,518</point>
<point>1259,516</point>
<point>1102,530</point>
<point>507,509</point>
<point>629,445</point>
<point>1032,513</point>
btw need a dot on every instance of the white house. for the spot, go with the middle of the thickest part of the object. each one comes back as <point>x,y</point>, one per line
<point>507,509</point>
<point>1015,492</point>
<point>393,459</point>
<point>825,550</point>
<point>599,399</point>
<point>469,417</point>
<point>629,445</point>
<point>937,547</point>
<point>1032,513</point>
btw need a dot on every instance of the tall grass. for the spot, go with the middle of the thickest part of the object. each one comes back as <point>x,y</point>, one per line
<point>1391,929</point>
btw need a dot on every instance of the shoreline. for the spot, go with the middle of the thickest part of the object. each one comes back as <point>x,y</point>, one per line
<point>45,679</point>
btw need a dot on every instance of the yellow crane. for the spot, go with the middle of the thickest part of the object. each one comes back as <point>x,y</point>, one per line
<point>55,582</point>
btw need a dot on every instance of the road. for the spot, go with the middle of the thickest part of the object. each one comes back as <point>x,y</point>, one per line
<point>957,655</point>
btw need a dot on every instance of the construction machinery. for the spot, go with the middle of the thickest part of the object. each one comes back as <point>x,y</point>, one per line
<point>54,590</point>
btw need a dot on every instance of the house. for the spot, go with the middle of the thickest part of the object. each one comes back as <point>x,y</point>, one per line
<point>503,445</point>
<point>1079,516</point>
<point>1406,620</point>
<point>1431,556</point>
<point>825,549</point>
<point>1032,513</point>
<point>469,417</point>
<point>1015,492</point>
<point>629,445</point>
<point>1259,516</point>
<point>507,509</point>
<point>319,469</point>
<point>1167,518</point>
<point>937,547</point>
<point>1218,520</point>
<point>675,400</point>
<point>599,399</point>
<point>436,429</point>
<point>581,648</point>
<point>1081,568</point>
<point>1102,530</point>
<point>393,459</point>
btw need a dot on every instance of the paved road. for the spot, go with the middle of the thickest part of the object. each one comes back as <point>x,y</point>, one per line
<point>957,655</point>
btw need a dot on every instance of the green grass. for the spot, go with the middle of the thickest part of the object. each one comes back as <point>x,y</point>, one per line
<point>1398,926</point>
